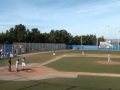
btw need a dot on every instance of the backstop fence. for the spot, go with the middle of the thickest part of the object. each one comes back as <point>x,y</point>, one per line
<point>35,47</point>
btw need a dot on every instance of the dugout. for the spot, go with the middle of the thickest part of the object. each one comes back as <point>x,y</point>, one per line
<point>17,49</point>
<point>20,49</point>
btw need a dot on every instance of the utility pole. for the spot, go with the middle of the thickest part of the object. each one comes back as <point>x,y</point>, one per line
<point>97,41</point>
<point>81,40</point>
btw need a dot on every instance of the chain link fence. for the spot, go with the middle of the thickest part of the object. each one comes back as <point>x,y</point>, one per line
<point>35,47</point>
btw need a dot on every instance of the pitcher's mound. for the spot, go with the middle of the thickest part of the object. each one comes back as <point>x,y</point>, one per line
<point>109,63</point>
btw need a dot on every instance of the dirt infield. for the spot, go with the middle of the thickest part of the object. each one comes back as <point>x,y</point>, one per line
<point>37,71</point>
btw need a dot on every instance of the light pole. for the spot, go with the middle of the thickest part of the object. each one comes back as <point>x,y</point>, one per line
<point>118,39</point>
<point>81,40</point>
<point>108,31</point>
<point>97,41</point>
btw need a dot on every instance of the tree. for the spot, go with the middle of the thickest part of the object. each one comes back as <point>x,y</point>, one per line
<point>20,34</point>
<point>35,35</point>
<point>101,39</point>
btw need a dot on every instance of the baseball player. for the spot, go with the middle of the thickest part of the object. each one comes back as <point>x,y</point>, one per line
<point>109,60</point>
<point>54,53</point>
<point>83,53</point>
<point>23,63</point>
<point>9,65</point>
<point>17,63</point>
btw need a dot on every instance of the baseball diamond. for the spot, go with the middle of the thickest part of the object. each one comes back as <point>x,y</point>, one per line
<point>65,64</point>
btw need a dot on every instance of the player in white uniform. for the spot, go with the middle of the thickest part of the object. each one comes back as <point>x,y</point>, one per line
<point>109,60</point>
<point>17,63</point>
<point>83,53</point>
<point>54,53</point>
<point>23,63</point>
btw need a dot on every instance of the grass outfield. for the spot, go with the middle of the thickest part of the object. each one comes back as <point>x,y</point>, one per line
<point>85,64</point>
<point>80,83</point>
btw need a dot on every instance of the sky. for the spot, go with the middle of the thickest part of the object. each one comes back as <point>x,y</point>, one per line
<point>78,17</point>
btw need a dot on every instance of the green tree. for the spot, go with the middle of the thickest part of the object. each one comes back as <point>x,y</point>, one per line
<point>20,34</point>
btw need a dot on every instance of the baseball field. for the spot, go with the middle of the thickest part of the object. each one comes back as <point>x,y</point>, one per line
<point>67,70</point>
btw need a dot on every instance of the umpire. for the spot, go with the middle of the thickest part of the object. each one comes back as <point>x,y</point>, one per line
<point>9,65</point>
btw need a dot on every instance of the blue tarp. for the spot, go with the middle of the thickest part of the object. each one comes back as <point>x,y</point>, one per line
<point>6,47</point>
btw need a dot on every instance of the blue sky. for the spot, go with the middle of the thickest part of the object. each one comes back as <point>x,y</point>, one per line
<point>78,17</point>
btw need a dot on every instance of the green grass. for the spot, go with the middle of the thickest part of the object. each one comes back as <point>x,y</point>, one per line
<point>80,83</point>
<point>100,52</point>
<point>85,64</point>
<point>38,58</point>
<point>88,52</point>
<point>46,56</point>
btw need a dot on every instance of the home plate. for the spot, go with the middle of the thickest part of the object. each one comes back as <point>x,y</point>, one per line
<point>29,70</point>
